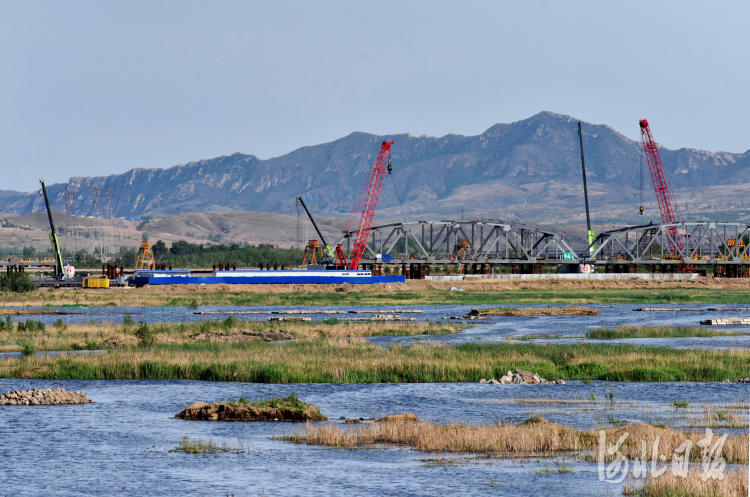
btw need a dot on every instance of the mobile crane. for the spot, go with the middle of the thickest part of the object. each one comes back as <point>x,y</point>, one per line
<point>329,254</point>
<point>61,271</point>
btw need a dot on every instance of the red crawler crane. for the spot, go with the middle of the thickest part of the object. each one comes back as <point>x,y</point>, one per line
<point>670,211</point>
<point>367,203</point>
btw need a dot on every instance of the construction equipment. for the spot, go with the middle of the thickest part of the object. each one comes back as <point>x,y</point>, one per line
<point>329,251</point>
<point>367,203</point>
<point>312,248</point>
<point>145,258</point>
<point>60,269</point>
<point>589,231</point>
<point>670,212</point>
<point>463,251</point>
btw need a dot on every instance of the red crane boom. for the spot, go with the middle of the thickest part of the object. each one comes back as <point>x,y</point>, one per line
<point>367,203</point>
<point>670,211</point>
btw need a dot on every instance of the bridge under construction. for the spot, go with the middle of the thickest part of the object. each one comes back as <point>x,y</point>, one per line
<point>481,247</point>
<point>477,247</point>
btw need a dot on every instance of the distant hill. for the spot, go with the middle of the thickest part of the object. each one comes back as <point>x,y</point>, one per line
<point>205,228</point>
<point>527,170</point>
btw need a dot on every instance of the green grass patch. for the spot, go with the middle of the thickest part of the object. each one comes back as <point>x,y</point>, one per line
<point>290,402</point>
<point>340,360</point>
<point>657,332</point>
<point>209,446</point>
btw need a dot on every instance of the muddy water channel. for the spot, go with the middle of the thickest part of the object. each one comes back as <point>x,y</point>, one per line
<point>120,444</point>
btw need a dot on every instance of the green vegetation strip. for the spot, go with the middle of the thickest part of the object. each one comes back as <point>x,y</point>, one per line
<point>657,332</point>
<point>339,360</point>
<point>469,297</point>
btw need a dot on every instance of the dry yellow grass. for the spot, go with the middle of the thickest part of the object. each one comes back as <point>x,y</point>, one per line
<point>734,484</point>
<point>108,334</point>
<point>535,437</point>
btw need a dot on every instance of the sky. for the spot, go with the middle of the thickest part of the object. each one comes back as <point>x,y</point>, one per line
<point>98,88</point>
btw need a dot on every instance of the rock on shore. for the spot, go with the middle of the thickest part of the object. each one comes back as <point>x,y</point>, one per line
<point>246,411</point>
<point>741,380</point>
<point>43,397</point>
<point>406,417</point>
<point>522,377</point>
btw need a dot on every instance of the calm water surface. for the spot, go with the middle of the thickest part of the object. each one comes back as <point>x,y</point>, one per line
<point>120,445</point>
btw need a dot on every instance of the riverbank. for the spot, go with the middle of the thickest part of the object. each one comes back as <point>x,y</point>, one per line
<point>355,360</point>
<point>412,292</point>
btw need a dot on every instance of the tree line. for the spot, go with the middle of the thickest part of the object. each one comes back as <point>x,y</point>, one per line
<point>183,255</point>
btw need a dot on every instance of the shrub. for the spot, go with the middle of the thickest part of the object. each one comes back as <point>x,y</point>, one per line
<point>31,325</point>
<point>59,325</point>
<point>127,320</point>
<point>6,325</point>
<point>230,322</point>
<point>145,335</point>
<point>28,349</point>
<point>17,283</point>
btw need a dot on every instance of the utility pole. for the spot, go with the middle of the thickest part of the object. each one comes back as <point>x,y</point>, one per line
<point>589,231</point>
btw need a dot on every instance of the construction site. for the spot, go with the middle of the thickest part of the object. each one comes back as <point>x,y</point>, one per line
<point>424,249</point>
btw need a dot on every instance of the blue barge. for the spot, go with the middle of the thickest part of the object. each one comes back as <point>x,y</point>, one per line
<point>256,277</point>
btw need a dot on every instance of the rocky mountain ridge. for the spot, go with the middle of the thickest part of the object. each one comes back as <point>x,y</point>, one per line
<point>529,170</point>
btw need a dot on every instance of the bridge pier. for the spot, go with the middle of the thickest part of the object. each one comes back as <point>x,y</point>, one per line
<point>731,271</point>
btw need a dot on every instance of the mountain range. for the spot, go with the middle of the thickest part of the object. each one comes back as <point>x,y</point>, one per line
<point>527,170</point>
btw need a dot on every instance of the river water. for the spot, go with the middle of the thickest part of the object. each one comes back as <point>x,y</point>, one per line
<point>120,445</point>
<point>566,329</point>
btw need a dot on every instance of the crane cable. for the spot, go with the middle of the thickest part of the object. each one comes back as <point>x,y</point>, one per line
<point>393,182</point>
<point>640,155</point>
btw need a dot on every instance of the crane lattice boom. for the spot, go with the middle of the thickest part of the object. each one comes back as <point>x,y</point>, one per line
<point>367,203</point>
<point>670,212</point>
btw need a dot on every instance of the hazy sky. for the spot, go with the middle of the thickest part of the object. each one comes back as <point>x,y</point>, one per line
<point>95,88</point>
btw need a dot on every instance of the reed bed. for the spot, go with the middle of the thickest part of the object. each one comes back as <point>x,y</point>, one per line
<point>717,416</point>
<point>109,334</point>
<point>658,332</point>
<point>734,484</point>
<point>538,439</point>
<point>354,360</point>
<point>535,437</point>
<point>209,446</point>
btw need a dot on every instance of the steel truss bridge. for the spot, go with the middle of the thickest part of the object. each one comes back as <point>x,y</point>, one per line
<point>676,246</point>
<point>699,243</point>
<point>464,242</point>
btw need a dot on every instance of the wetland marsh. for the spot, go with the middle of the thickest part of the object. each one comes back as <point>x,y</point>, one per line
<point>624,369</point>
